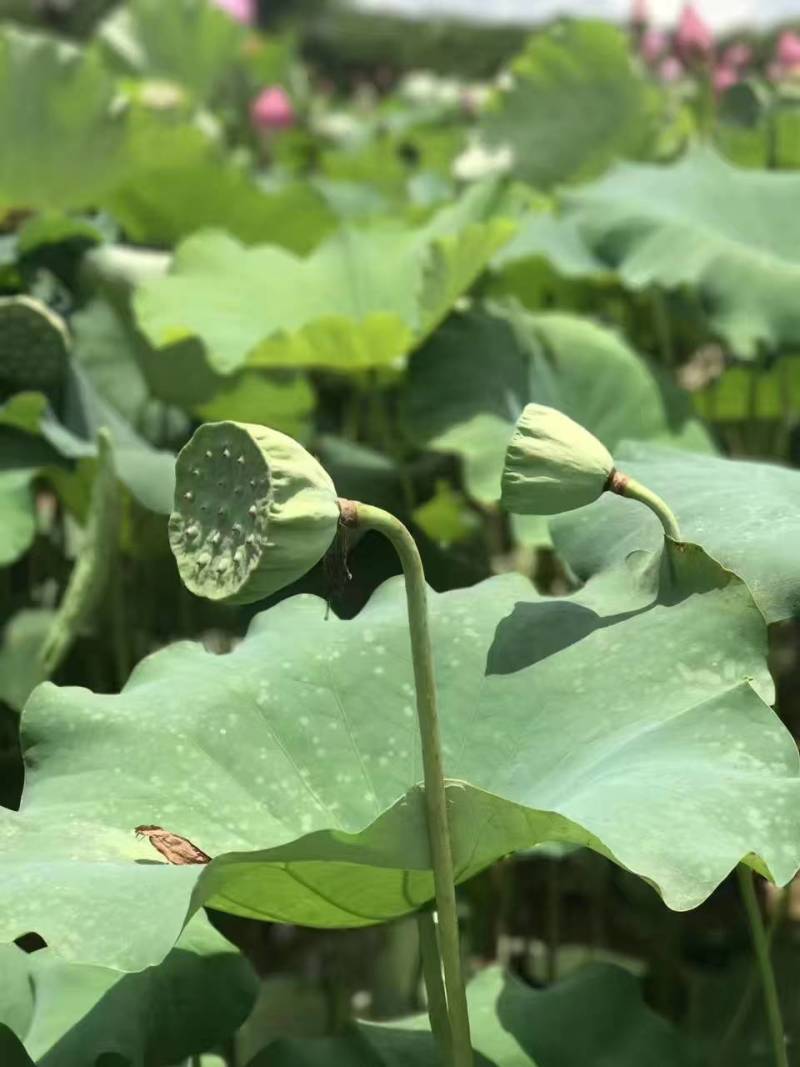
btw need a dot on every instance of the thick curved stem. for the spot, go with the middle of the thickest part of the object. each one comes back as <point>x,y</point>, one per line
<point>366,517</point>
<point>624,485</point>
<point>762,951</point>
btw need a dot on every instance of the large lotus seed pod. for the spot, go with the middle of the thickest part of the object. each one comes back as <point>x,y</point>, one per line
<point>34,346</point>
<point>253,512</point>
<point>552,464</point>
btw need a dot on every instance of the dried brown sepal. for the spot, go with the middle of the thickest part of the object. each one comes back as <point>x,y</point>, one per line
<point>174,848</point>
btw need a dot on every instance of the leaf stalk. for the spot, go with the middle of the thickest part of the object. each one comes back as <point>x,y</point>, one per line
<point>761,947</point>
<point>367,517</point>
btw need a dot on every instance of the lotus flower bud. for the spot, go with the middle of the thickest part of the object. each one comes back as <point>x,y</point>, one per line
<point>653,45</point>
<point>738,55</point>
<point>272,110</point>
<point>787,51</point>
<point>640,13</point>
<point>253,512</point>
<point>552,464</point>
<point>724,78</point>
<point>671,70</point>
<point>242,10</point>
<point>693,37</point>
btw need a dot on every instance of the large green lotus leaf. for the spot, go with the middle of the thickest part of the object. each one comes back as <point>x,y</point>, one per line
<point>56,110</point>
<point>36,432</point>
<point>576,103</point>
<point>362,299</point>
<point>107,351</point>
<point>18,525</point>
<point>542,235</point>
<point>192,42</point>
<point>626,717</point>
<point>162,204</point>
<point>747,515</point>
<point>592,1019</point>
<point>137,379</point>
<point>730,234</point>
<point>467,386</point>
<point>73,1015</point>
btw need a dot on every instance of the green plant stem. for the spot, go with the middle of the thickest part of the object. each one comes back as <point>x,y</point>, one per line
<point>432,970</point>
<point>662,328</point>
<point>624,485</point>
<point>366,517</point>
<point>739,1017</point>
<point>553,919</point>
<point>761,947</point>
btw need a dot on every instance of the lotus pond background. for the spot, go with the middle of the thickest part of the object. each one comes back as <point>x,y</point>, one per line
<point>384,239</point>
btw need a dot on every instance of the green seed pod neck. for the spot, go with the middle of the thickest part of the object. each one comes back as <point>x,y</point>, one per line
<point>253,512</point>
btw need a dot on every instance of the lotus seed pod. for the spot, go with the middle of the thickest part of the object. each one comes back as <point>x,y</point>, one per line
<point>552,464</point>
<point>34,346</point>
<point>253,512</point>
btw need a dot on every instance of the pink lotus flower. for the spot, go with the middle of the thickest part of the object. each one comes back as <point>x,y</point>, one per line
<point>693,37</point>
<point>653,45</point>
<point>272,110</point>
<point>787,51</point>
<point>724,77</point>
<point>671,69</point>
<point>737,56</point>
<point>241,10</point>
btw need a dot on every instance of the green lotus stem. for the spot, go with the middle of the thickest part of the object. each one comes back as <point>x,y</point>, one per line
<point>624,485</point>
<point>723,1052</point>
<point>91,573</point>
<point>366,517</point>
<point>762,951</point>
<point>432,970</point>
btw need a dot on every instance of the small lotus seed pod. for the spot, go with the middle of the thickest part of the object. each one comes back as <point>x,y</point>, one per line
<point>552,464</point>
<point>286,507</point>
<point>34,346</point>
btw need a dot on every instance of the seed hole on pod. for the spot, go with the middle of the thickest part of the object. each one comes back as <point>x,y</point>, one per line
<point>209,453</point>
<point>240,459</point>
<point>226,453</point>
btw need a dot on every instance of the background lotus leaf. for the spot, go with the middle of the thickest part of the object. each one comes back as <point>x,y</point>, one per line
<point>591,1019</point>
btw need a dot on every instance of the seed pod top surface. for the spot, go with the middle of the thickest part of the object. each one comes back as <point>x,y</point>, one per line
<point>253,512</point>
<point>552,464</point>
<point>34,345</point>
